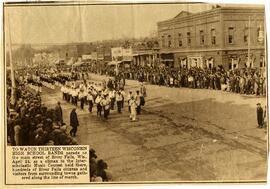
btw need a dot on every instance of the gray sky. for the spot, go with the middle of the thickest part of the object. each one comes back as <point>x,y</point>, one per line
<point>61,24</point>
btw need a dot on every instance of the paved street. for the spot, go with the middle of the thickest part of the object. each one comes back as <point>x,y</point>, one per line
<point>182,135</point>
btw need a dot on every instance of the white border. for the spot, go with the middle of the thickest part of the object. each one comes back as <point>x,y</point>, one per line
<point>148,186</point>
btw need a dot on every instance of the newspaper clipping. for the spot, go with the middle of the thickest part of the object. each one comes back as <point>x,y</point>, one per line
<point>52,164</point>
<point>121,92</point>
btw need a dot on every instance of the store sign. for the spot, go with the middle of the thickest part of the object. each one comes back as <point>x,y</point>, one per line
<point>127,52</point>
<point>86,57</point>
<point>100,56</point>
<point>94,55</point>
<point>117,52</point>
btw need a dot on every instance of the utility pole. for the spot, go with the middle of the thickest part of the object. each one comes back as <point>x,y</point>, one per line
<point>249,65</point>
<point>13,84</point>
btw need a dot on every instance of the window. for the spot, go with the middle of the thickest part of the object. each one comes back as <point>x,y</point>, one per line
<point>188,38</point>
<point>230,35</point>
<point>260,34</point>
<point>213,36</point>
<point>201,37</point>
<point>169,41</point>
<point>162,41</point>
<point>180,40</point>
<point>246,35</point>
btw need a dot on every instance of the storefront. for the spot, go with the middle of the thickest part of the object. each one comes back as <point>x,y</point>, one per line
<point>195,61</point>
<point>167,59</point>
<point>209,62</point>
<point>183,62</point>
<point>234,63</point>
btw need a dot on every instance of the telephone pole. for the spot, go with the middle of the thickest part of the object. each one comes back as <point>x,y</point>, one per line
<point>249,65</point>
<point>13,84</point>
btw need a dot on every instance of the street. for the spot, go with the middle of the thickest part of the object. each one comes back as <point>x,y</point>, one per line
<point>182,134</point>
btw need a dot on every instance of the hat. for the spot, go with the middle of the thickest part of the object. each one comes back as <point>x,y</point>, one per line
<point>56,126</point>
<point>74,141</point>
<point>39,131</point>
<point>258,103</point>
<point>63,128</point>
<point>40,125</point>
<point>48,121</point>
<point>109,176</point>
<point>38,116</point>
<point>50,143</point>
<point>97,179</point>
<point>92,153</point>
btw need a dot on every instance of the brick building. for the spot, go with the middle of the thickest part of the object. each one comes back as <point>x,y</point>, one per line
<point>219,36</point>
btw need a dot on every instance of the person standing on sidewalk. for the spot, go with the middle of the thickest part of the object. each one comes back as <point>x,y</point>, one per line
<point>74,122</point>
<point>59,114</point>
<point>260,116</point>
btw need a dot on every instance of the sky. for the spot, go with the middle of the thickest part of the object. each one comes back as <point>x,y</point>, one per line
<point>88,23</point>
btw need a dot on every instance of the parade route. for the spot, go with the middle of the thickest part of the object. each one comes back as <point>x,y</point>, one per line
<point>183,134</point>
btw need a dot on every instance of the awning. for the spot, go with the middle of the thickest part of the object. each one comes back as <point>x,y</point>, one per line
<point>167,60</point>
<point>113,63</point>
<point>70,62</point>
<point>78,64</point>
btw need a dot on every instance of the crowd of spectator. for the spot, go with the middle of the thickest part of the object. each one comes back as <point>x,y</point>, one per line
<point>248,81</point>
<point>98,169</point>
<point>29,122</point>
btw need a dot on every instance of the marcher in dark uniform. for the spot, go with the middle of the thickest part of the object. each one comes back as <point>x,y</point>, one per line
<point>119,101</point>
<point>138,102</point>
<point>74,123</point>
<point>260,115</point>
<point>90,101</point>
<point>98,102</point>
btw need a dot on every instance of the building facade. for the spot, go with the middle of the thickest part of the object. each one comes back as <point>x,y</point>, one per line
<point>121,54</point>
<point>221,36</point>
<point>146,57</point>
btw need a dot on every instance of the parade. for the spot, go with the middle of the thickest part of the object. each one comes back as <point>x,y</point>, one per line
<point>183,103</point>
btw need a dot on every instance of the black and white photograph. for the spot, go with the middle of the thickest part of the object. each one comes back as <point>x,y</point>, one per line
<point>160,92</point>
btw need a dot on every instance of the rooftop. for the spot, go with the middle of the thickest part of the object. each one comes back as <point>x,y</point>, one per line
<point>186,14</point>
